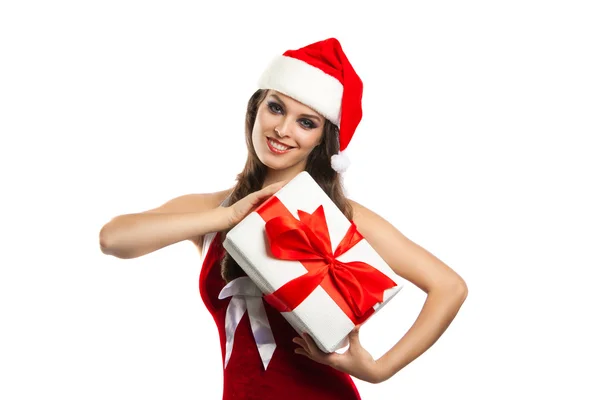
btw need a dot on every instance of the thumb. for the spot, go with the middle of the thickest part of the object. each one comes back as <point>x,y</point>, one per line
<point>263,194</point>
<point>353,336</point>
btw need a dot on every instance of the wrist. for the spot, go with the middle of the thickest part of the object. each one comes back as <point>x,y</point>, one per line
<point>225,216</point>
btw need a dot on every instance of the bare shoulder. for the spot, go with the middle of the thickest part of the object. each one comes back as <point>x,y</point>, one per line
<point>406,258</point>
<point>370,224</point>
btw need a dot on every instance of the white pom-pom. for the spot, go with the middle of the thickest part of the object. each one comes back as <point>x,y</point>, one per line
<point>340,162</point>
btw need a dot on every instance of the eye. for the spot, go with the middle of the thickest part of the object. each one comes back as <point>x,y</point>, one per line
<point>274,107</point>
<point>309,124</point>
<point>277,109</point>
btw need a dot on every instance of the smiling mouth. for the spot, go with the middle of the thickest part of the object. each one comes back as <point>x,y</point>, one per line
<point>274,144</point>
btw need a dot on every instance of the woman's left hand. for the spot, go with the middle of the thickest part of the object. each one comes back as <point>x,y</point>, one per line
<point>356,361</point>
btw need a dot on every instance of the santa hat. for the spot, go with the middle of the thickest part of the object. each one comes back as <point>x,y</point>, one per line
<point>321,77</point>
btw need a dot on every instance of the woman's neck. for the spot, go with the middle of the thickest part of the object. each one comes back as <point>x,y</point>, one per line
<point>276,175</point>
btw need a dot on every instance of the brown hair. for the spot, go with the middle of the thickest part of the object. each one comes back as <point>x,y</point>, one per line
<point>253,176</point>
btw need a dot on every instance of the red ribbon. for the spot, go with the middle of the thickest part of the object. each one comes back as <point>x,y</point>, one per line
<point>359,285</point>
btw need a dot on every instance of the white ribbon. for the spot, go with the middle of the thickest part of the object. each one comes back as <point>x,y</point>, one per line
<point>247,296</point>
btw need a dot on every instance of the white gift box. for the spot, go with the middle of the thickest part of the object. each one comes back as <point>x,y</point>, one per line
<point>318,314</point>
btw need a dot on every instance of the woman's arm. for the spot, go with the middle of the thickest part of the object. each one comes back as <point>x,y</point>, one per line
<point>186,217</point>
<point>446,290</point>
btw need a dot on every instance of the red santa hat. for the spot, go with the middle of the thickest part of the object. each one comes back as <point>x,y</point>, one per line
<point>321,77</point>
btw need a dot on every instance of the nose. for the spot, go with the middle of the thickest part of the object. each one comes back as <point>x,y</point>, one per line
<point>283,129</point>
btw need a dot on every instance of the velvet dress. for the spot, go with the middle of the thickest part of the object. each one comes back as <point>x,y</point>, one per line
<point>274,372</point>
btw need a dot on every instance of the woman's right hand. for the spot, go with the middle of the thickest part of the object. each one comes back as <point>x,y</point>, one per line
<point>240,209</point>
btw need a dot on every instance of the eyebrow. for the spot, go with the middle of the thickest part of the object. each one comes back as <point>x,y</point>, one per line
<point>318,118</point>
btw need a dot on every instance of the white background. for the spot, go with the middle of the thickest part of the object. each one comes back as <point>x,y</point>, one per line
<point>477,142</point>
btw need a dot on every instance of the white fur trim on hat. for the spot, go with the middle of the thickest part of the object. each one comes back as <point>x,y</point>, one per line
<point>340,162</point>
<point>306,84</point>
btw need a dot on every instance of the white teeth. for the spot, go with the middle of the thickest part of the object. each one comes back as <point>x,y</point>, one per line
<point>278,146</point>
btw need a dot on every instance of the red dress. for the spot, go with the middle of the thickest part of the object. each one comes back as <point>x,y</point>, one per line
<point>288,375</point>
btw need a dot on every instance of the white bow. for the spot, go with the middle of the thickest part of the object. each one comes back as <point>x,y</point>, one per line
<point>246,295</point>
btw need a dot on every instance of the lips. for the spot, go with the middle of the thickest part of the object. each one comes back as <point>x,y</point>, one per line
<point>275,150</point>
<point>281,143</point>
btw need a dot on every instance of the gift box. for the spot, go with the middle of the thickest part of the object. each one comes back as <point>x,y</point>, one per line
<point>311,263</point>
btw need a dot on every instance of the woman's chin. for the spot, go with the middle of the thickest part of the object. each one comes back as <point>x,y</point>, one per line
<point>276,164</point>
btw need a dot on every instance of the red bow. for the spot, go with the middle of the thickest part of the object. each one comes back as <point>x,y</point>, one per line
<point>307,239</point>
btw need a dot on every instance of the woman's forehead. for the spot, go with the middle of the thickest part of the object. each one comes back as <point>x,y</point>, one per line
<point>285,97</point>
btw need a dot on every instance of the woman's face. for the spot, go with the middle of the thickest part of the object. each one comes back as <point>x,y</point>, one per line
<point>285,131</point>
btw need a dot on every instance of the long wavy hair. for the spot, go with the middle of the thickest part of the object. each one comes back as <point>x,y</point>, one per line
<point>253,176</point>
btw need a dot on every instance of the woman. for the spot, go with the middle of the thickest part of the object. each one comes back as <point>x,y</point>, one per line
<point>292,124</point>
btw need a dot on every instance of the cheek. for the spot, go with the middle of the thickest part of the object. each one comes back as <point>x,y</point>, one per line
<point>259,125</point>
<point>265,120</point>
<point>256,136</point>
<point>309,140</point>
